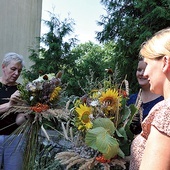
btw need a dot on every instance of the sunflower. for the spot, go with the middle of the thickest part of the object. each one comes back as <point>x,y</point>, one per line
<point>110,99</point>
<point>84,113</point>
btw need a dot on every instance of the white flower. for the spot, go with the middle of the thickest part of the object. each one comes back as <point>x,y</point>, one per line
<point>39,85</point>
<point>40,79</point>
<point>31,98</point>
<point>91,116</point>
<point>31,87</point>
<point>94,103</point>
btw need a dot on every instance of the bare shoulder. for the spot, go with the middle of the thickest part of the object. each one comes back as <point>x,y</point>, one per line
<point>157,151</point>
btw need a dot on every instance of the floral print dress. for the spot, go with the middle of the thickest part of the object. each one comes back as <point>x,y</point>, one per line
<point>158,117</point>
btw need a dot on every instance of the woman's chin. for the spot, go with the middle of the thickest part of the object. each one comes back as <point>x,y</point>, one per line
<point>144,85</point>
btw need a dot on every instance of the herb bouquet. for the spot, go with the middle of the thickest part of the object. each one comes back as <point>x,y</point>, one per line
<point>101,121</point>
<point>40,102</point>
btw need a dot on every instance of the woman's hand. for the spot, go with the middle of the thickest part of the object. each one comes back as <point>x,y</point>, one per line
<point>21,118</point>
<point>15,98</point>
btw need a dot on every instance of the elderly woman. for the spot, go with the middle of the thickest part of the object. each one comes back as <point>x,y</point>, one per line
<point>150,150</point>
<point>10,152</point>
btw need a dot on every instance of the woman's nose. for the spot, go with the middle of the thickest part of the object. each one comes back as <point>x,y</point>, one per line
<point>142,72</point>
<point>17,72</point>
<point>145,74</point>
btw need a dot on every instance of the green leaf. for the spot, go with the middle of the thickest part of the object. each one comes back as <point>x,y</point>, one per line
<point>91,135</point>
<point>107,145</point>
<point>121,153</point>
<point>106,123</point>
<point>119,134</point>
<point>99,139</point>
<point>133,109</point>
<point>123,133</point>
<point>126,112</point>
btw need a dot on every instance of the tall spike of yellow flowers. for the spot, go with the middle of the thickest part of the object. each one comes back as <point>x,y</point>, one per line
<point>55,93</point>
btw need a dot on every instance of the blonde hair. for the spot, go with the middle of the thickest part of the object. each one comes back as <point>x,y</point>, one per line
<point>157,46</point>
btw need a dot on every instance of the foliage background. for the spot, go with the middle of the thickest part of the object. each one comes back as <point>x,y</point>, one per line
<point>129,23</point>
<point>126,25</point>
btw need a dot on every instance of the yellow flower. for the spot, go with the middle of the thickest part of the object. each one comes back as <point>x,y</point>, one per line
<point>77,103</point>
<point>55,93</point>
<point>110,99</point>
<point>84,116</point>
<point>95,94</point>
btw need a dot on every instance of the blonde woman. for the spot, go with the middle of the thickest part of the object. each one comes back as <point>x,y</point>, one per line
<point>150,150</point>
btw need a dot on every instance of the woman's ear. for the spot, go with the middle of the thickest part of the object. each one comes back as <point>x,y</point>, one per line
<point>2,66</point>
<point>166,63</point>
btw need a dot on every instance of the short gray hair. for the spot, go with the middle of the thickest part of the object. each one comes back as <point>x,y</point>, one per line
<point>12,56</point>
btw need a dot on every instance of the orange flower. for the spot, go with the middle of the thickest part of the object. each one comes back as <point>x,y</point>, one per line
<point>102,159</point>
<point>39,107</point>
<point>122,93</point>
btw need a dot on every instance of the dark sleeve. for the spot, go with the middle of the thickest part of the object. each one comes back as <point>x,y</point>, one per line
<point>132,99</point>
<point>7,124</point>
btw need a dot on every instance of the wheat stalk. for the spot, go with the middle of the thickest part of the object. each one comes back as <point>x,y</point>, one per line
<point>87,165</point>
<point>76,161</point>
